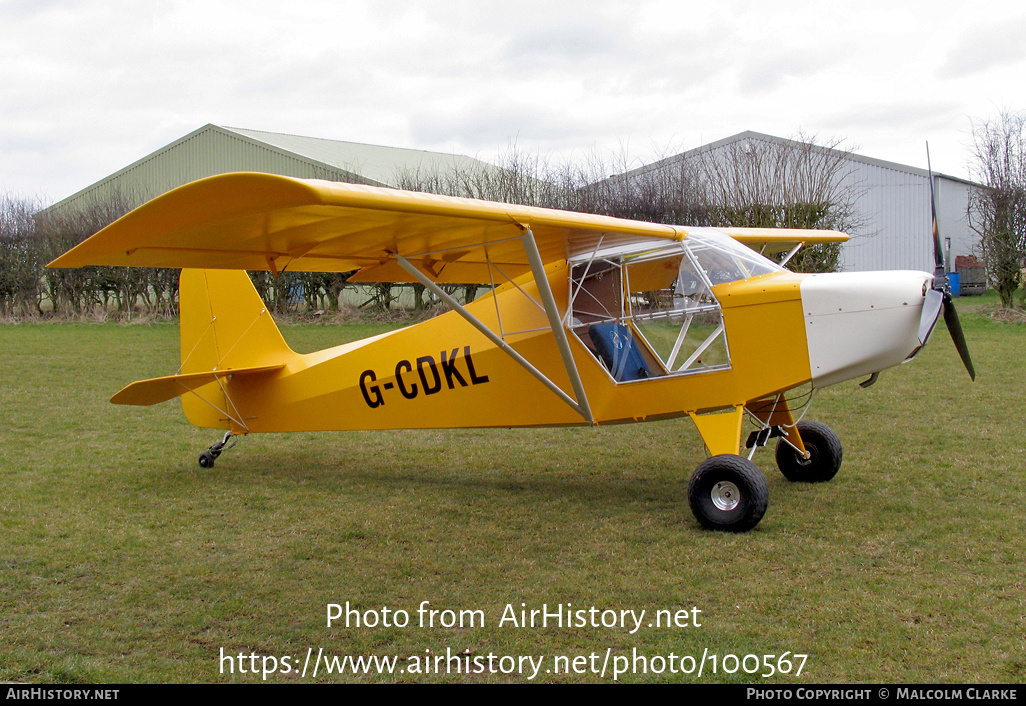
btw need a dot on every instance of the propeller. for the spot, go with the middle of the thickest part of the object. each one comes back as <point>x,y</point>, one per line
<point>938,298</point>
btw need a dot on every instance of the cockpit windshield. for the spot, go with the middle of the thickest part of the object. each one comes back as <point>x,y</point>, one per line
<point>724,259</point>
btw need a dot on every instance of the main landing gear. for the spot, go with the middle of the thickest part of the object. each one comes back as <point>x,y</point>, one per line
<point>207,458</point>
<point>728,492</point>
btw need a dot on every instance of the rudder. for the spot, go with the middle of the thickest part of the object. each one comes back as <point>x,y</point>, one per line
<point>224,324</point>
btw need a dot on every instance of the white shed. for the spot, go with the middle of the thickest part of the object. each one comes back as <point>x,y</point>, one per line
<point>893,206</point>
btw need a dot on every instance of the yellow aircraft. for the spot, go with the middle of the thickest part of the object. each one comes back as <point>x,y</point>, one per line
<point>588,320</point>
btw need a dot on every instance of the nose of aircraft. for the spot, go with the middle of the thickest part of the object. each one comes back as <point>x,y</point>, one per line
<point>858,323</point>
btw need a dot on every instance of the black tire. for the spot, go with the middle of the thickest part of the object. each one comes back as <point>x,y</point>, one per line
<point>728,493</point>
<point>824,447</point>
<point>206,460</point>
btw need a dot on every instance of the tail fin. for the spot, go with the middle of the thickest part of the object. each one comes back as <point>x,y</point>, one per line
<point>224,324</point>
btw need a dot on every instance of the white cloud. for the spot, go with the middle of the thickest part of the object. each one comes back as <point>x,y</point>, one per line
<point>90,86</point>
<point>994,45</point>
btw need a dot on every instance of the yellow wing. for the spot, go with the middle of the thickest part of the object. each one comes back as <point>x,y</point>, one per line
<point>770,241</point>
<point>250,221</point>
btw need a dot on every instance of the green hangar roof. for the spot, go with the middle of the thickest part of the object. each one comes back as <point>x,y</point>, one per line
<point>213,149</point>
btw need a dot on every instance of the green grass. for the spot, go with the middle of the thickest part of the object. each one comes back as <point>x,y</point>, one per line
<point>124,561</point>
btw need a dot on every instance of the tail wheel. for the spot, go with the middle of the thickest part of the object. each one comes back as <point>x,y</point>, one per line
<point>824,447</point>
<point>728,493</point>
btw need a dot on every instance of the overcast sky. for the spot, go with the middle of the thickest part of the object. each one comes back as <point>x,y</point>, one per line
<point>89,86</point>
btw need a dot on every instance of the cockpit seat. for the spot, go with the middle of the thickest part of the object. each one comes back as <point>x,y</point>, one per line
<point>615,345</point>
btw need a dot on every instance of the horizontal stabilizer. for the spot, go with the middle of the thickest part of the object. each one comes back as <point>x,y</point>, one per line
<point>147,392</point>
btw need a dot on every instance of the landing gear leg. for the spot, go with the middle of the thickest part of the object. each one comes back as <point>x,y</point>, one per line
<point>207,458</point>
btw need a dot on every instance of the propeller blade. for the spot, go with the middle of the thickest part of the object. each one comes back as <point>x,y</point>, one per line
<point>939,296</point>
<point>940,275</point>
<point>931,312</point>
<point>955,329</point>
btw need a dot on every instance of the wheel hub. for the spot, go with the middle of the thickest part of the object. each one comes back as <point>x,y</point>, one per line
<point>808,461</point>
<point>725,495</point>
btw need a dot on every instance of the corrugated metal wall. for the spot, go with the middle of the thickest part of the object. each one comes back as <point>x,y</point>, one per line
<point>953,217</point>
<point>896,233</point>
<point>894,210</point>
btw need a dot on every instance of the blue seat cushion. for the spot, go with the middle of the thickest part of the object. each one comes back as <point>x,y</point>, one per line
<point>615,345</point>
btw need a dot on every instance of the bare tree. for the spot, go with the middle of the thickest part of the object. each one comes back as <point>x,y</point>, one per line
<point>667,194</point>
<point>997,213</point>
<point>79,291</point>
<point>795,183</point>
<point>86,290</point>
<point>20,258</point>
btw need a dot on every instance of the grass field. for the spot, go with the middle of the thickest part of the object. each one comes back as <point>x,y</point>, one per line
<point>124,561</point>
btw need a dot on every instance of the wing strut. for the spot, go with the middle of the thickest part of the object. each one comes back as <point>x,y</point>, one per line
<point>545,291</point>
<point>581,407</point>
<point>790,253</point>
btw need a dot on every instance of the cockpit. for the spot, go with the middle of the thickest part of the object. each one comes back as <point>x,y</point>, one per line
<point>649,311</point>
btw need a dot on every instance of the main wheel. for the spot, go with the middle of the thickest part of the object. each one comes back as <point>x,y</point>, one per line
<point>728,493</point>
<point>824,447</point>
